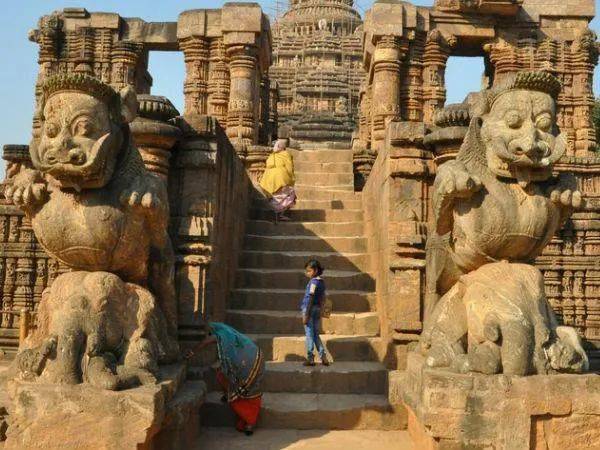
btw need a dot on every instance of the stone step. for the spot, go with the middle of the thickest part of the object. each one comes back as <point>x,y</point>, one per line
<point>305,243</point>
<point>320,193</point>
<point>323,167</point>
<point>338,378</point>
<point>290,322</point>
<point>321,229</point>
<point>295,278</point>
<point>322,156</point>
<point>262,203</point>
<point>301,188</point>
<point>328,204</point>
<point>294,260</point>
<point>339,348</point>
<point>310,215</point>
<point>325,179</point>
<point>289,299</point>
<point>312,411</point>
<point>227,438</point>
<point>355,377</point>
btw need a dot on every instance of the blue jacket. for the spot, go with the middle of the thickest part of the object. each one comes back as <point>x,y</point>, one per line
<point>315,286</point>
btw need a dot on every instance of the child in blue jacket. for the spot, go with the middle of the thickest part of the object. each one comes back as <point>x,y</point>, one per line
<point>311,311</point>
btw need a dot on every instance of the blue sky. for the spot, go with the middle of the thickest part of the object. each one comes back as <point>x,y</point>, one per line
<point>19,56</point>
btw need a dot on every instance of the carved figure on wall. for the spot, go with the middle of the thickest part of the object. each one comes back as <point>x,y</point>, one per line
<point>94,207</point>
<point>341,105</point>
<point>299,103</point>
<point>496,207</point>
<point>322,24</point>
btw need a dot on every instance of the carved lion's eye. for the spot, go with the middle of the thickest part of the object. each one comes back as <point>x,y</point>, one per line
<point>544,122</point>
<point>51,130</point>
<point>83,126</point>
<point>513,119</point>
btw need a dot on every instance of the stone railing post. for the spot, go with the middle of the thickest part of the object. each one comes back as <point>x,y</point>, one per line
<point>153,134</point>
<point>256,159</point>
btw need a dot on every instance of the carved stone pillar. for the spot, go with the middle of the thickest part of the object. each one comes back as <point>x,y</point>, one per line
<point>264,105</point>
<point>584,60</point>
<point>8,287</point>
<point>435,58</point>
<point>364,116</point>
<point>124,61</point>
<point>218,82</point>
<point>23,294</point>
<point>504,56</point>
<point>84,44</point>
<point>273,114</point>
<point>195,88</point>
<point>242,124</point>
<point>153,135</point>
<point>41,275</point>
<point>411,90</point>
<point>387,59</point>
<point>47,38</point>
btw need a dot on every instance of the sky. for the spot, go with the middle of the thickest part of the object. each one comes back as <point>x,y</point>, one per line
<point>19,56</point>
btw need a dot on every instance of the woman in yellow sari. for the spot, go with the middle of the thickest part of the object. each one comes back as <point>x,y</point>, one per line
<point>278,180</point>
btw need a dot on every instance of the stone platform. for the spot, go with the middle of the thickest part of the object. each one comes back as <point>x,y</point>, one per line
<point>451,411</point>
<point>228,438</point>
<point>164,415</point>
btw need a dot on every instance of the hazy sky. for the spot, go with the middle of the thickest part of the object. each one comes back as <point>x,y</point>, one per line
<point>19,56</point>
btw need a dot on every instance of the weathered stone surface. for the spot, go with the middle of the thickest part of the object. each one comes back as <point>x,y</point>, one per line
<point>133,211</point>
<point>219,438</point>
<point>498,201</point>
<point>91,418</point>
<point>448,410</point>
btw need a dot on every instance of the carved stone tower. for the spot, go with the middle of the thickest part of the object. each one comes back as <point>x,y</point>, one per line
<point>317,63</point>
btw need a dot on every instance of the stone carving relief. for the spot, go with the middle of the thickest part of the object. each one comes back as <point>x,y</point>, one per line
<point>94,207</point>
<point>495,208</point>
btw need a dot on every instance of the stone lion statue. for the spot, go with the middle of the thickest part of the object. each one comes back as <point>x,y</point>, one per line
<point>495,207</point>
<point>94,207</point>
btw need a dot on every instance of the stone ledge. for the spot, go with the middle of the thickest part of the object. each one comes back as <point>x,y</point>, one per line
<point>52,416</point>
<point>450,410</point>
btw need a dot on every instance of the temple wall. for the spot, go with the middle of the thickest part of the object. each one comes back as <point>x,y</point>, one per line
<point>200,153</point>
<point>406,49</point>
<point>396,204</point>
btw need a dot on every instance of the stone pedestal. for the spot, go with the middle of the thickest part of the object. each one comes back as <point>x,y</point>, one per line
<point>164,415</point>
<point>455,411</point>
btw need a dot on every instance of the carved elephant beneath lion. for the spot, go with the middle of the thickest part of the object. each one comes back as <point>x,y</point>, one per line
<point>496,319</point>
<point>93,327</point>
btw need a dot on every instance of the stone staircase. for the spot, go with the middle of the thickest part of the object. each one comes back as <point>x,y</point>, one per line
<point>327,224</point>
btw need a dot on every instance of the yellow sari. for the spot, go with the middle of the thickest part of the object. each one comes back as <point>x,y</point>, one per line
<point>279,172</point>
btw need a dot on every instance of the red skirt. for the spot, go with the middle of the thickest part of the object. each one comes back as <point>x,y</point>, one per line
<point>246,409</point>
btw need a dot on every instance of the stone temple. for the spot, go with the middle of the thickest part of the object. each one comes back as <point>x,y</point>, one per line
<point>317,59</point>
<point>460,241</point>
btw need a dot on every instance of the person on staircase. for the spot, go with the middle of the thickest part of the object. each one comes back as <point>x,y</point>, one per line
<point>278,180</point>
<point>239,371</point>
<point>312,303</point>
